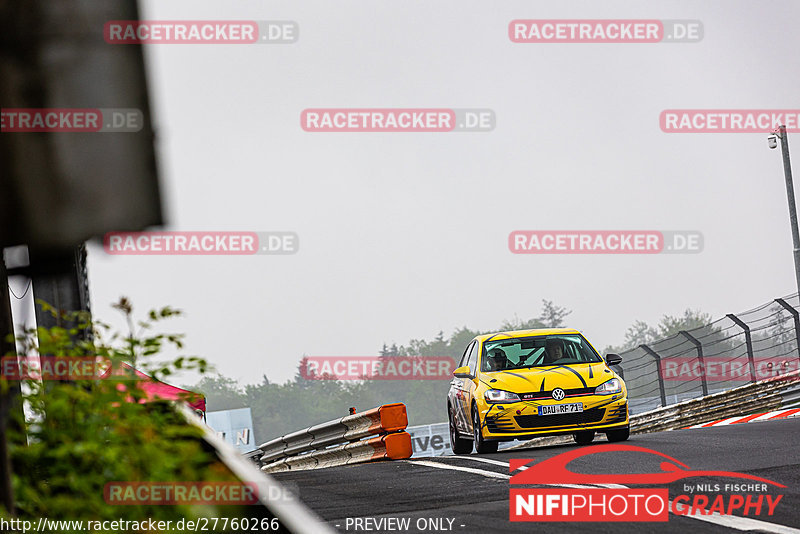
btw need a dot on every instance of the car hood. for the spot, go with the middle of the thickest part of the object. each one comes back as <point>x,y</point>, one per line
<point>577,376</point>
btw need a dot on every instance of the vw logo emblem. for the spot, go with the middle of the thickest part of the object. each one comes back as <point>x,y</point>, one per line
<point>558,394</point>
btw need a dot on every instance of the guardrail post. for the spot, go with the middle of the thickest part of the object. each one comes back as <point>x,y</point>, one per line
<point>660,372</point>
<point>749,341</point>
<point>796,316</point>
<point>699,347</point>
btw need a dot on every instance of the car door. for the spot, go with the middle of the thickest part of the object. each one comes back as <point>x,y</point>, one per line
<point>470,385</point>
<point>458,393</point>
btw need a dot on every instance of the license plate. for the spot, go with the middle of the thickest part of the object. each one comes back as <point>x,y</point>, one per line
<point>555,409</point>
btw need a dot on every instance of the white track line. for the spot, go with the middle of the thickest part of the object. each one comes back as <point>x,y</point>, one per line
<point>490,474</point>
<point>479,459</point>
<point>524,467</point>
<point>729,521</point>
<point>438,465</point>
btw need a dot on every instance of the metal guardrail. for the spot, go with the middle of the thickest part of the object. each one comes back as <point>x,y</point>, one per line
<point>791,398</point>
<point>293,515</point>
<point>313,447</point>
<point>732,351</point>
<point>394,446</point>
<point>765,395</point>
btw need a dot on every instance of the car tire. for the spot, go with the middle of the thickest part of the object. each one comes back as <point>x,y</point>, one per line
<point>583,437</point>
<point>457,443</point>
<point>619,434</point>
<point>481,446</point>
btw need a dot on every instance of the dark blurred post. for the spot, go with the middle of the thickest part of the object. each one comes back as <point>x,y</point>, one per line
<point>787,171</point>
<point>57,190</point>
<point>61,281</point>
<point>699,348</point>
<point>10,399</point>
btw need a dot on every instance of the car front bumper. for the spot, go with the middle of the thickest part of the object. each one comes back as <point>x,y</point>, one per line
<point>520,420</point>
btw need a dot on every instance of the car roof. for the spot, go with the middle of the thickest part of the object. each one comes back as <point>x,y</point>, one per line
<point>526,333</point>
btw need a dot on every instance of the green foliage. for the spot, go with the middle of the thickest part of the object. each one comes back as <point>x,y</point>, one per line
<point>553,316</point>
<point>640,332</point>
<point>691,319</point>
<point>82,434</point>
<point>224,391</point>
<point>517,324</point>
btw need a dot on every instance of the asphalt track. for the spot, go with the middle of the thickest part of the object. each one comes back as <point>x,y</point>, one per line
<point>476,498</point>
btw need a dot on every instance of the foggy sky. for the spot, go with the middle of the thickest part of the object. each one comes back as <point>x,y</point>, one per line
<point>405,234</point>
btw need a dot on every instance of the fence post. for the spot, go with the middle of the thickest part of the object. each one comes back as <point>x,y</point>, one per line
<point>699,347</point>
<point>796,316</point>
<point>660,372</point>
<point>749,341</point>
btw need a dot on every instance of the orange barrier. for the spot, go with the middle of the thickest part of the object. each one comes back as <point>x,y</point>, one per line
<point>394,446</point>
<point>386,418</point>
<point>301,449</point>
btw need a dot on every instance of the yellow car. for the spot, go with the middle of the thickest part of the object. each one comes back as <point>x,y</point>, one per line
<point>531,383</point>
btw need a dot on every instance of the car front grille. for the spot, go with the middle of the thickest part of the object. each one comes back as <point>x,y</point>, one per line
<point>541,421</point>
<point>618,414</point>
<point>500,424</point>
<point>541,395</point>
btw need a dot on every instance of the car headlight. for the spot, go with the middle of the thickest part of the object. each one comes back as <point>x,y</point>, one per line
<point>498,395</point>
<point>609,388</point>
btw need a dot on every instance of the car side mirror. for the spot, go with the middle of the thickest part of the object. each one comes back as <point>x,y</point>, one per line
<point>613,359</point>
<point>462,372</point>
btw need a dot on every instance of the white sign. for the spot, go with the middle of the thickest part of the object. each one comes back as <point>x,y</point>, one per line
<point>234,427</point>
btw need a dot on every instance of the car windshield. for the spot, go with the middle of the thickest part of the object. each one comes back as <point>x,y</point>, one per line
<point>536,351</point>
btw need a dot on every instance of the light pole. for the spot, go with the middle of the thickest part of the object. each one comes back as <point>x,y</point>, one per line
<point>787,171</point>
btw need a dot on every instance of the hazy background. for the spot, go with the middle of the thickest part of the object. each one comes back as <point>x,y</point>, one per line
<point>405,234</point>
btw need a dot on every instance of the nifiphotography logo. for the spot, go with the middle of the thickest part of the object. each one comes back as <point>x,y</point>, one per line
<point>569,498</point>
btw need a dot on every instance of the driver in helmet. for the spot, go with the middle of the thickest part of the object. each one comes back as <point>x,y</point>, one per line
<point>554,351</point>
